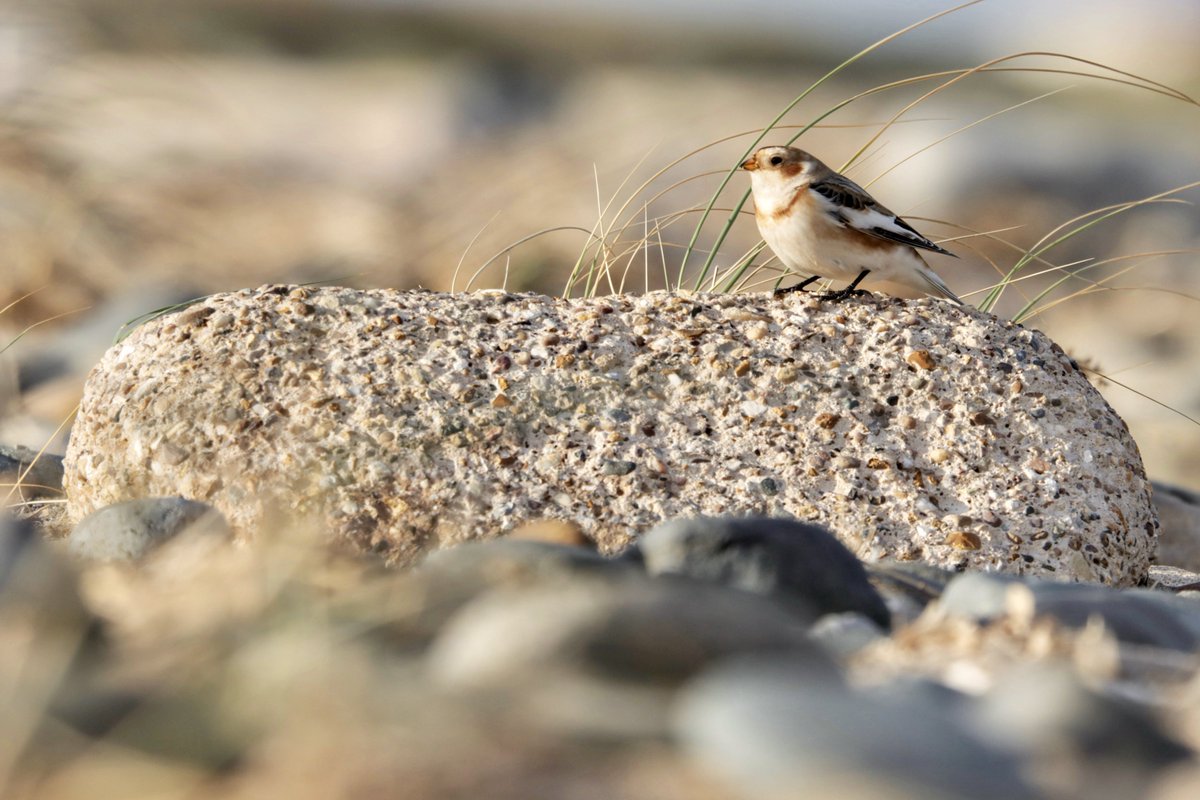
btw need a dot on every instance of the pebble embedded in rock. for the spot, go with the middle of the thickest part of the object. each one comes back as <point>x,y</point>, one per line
<point>784,559</point>
<point>127,531</point>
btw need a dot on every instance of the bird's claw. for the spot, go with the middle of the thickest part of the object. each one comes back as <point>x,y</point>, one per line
<point>842,294</point>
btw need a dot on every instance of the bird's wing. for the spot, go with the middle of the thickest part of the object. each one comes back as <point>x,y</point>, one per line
<point>851,206</point>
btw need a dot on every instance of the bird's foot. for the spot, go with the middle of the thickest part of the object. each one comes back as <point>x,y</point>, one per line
<point>843,294</point>
<point>796,287</point>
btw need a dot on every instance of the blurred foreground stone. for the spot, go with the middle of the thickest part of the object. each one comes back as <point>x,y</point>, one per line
<point>408,420</point>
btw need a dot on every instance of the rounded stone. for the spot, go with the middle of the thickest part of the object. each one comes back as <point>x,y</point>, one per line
<point>776,731</point>
<point>1133,616</point>
<point>788,560</point>
<point>300,395</point>
<point>127,531</point>
<point>659,631</point>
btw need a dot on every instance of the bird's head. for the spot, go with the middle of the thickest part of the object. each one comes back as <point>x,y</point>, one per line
<point>780,164</point>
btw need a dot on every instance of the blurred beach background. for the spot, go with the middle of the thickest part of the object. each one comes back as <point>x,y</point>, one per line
<point>150,153</point>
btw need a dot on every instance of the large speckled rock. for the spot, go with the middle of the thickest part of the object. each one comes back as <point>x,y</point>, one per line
<point>404,420</point>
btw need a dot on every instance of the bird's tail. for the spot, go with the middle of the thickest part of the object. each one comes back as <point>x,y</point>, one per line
<point>939,286</point>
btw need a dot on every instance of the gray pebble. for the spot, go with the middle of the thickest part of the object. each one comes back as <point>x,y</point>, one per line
<point>774,731</point>
<point>784,559</point>
<point>1134,616</point>
<point>1179,534</point>
<point>843,635</point>
<point>449,579</point>
<point>127,531</point>
<point>659,631</point>
<point>44,477</point>
<point>914,580</point>
<point>1112,747</point>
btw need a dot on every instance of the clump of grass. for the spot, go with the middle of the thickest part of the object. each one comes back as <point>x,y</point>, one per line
<point>610,254</point>
<point>24,486</point>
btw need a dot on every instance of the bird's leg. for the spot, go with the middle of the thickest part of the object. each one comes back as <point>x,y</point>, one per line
<point>796,287</point>
<point>849,291</point>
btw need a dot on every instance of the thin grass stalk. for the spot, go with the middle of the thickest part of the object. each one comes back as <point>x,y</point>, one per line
<point>779,117</point>
<point>1043,245</point>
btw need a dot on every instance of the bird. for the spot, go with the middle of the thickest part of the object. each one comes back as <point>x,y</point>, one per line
<point>824,225</point>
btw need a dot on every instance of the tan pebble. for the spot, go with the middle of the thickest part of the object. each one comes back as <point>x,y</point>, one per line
<point>937,455</point>
<point>846,462</point>
<point>741,369</point>
<point>500,401</point>
<point>564,360</point>
<point>744,315</point>
<point>963,540</point>
<point>827,420</point>
<point>1038,465</point>
<point>786,375</point>
<point>501,382</point>
<point>920,358</point>
<point>1016,387</point>
<point>878,463</point>
<point>757,332</point>
<point>555,531</point>
<point>906,422</point>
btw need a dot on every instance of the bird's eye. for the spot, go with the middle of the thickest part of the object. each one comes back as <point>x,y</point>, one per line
<point>776,161</point>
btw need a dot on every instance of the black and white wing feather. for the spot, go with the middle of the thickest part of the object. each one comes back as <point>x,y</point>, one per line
<point>850,205</point>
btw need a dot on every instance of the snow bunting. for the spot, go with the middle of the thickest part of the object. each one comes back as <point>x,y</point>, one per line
<point>823,224</point>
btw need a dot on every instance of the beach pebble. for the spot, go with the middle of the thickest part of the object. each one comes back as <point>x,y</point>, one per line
<point>1179,518</point>
<point>127,531</point>
<point>772,730</point>
<point>1110,747</point>
<point>645,630</point>
<point>784,559</point>
<point>1133,616</point>
<point>39,474</point>
<point>846,633</point>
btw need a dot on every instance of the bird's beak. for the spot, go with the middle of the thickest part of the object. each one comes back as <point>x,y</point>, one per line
<point>750,165</point>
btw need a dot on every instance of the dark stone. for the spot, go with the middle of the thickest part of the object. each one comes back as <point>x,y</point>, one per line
<point>784,559</point>
<point>44,477</point>
<point>913,580</point>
